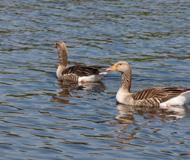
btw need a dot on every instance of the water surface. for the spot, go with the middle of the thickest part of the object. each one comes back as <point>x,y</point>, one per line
<point>43,119</point>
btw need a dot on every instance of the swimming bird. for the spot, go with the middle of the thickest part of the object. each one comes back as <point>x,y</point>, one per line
<point>162,97</point>
<point>77,73</point>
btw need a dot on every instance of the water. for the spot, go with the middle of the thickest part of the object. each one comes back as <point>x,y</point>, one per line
<point>42,119</point>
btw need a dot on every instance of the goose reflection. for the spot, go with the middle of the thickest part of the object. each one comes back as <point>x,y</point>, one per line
<point>126,113</point>
<point>68,89</point>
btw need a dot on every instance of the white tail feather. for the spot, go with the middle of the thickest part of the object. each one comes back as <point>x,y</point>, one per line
<point>176,101</point>
<point>91,78</point>
<point>103,73</point>
<point>186,94</point>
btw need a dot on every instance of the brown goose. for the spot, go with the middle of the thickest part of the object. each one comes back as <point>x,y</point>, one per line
<point>153,97</point>
<point>78,73</point>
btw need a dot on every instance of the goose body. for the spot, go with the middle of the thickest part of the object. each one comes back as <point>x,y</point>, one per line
<point>77,73</point>
<point>153,97</point>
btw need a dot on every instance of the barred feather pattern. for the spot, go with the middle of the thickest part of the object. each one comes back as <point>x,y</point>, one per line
<point>152,97</point>
<point>155,96</point>
<point>80,70</point>
<point>70,77</point>
<point>74,72</point>
<point>150,102</point>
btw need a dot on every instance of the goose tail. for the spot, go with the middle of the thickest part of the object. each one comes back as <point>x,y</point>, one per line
<point>103,73</point>
<point>179,100</point>
<point>186,96</point>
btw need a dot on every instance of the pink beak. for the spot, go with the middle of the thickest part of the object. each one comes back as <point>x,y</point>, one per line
<point>109,69</point>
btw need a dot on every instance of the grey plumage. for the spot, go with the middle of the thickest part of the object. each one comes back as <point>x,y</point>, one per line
<point>62,53</point>
<point>152,97</point>
<point>155,96</point>
<point>81,70</point>
<point>72,73</point>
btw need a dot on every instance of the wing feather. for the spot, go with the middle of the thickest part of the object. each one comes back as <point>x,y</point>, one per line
<point>163,94</point>
<point>70,77</point>
<point>80,70</point>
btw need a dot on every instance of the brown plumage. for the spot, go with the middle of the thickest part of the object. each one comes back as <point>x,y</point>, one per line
<point>81,70</point>
<point>163,94</point>
<point>74,73</point>
<point>62,53</point>
<point>158,96</point>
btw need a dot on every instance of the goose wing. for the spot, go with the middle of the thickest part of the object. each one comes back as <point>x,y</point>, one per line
<point>162,94</point>
<point>81,70</point>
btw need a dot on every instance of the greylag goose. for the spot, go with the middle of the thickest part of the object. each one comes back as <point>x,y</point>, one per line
<point>78,73</point>
<point>162,97</point>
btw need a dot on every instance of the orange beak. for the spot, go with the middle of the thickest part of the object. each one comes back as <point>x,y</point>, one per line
<point>111,68</point>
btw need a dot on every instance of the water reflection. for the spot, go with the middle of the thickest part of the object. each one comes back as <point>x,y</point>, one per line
<point>153,35</point>
<point>67,88</point>
<point>126,113</point>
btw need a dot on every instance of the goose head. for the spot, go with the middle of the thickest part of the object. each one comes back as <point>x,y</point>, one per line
<point>120,66</point>
<point>60,45</point>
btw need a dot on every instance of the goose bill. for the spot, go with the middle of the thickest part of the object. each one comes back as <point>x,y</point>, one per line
<point>111,68</point>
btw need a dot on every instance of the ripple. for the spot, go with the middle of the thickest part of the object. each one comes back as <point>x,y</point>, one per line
<point>41,118</point>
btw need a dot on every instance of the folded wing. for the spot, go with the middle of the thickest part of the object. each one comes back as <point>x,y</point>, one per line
<point>81,70</point>
<point>159,93</point>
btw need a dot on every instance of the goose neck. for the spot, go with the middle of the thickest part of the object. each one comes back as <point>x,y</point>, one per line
<point>126,81</point>
<point>62,54</point>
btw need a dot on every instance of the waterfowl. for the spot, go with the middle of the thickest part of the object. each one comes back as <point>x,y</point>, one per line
<point>162,97</point>
<point>77,73</point>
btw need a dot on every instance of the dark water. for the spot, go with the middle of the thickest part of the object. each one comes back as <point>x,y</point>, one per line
<point>42,119</point>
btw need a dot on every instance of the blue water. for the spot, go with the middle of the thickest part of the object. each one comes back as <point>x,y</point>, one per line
<point>43,119</point>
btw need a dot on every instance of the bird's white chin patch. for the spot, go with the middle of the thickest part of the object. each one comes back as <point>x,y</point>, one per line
<point>91,78</point>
